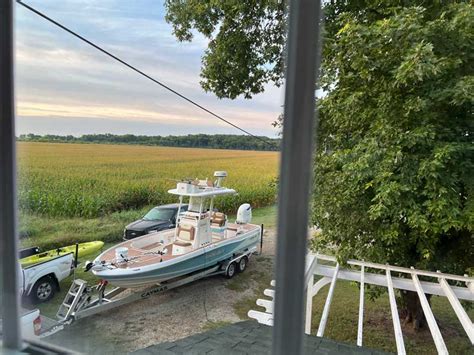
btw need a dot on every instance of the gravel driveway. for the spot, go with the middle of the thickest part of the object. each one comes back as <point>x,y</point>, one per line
<point>173,315</point>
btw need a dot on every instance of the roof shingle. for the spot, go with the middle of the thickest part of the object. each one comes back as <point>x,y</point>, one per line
<point>247,337</point>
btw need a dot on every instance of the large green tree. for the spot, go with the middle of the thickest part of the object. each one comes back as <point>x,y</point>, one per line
<point>394,175</point>
<point>394,167</point>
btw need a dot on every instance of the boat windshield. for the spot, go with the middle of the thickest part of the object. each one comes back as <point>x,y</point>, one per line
<point>163,214</point>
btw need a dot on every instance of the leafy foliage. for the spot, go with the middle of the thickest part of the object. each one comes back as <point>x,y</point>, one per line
<point>246,40</point>
<point>395,168</point>
<point>215,141</point>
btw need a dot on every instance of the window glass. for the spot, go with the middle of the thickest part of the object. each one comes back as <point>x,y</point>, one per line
<point>163,214</point>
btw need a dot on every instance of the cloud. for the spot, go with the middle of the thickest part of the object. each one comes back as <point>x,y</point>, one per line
<point>32,109</point>
<point>61,78</point>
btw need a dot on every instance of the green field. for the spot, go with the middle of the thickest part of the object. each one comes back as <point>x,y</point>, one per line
<point>91,180</point>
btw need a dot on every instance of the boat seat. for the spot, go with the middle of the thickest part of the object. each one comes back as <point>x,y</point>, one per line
<point>218,219</point>
<point>186,233</point>
<point>182,244</point>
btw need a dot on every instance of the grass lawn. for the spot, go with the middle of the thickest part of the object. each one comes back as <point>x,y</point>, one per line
<point>266,216</point>
<point>52,232</point>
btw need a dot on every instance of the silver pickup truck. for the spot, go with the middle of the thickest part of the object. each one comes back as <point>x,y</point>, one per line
<point>39,282</point>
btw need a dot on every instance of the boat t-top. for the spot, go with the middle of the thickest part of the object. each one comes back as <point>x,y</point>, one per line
<point>202,238</point>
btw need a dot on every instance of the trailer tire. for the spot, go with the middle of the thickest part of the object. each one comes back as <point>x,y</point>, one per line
<point>231,270</point>
<point>43,290</point>
<point>242,265</point>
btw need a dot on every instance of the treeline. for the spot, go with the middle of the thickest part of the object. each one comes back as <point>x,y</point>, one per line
<point>214,141</point>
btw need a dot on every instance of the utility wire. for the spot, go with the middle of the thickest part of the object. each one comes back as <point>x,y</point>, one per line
<point>39,13</point>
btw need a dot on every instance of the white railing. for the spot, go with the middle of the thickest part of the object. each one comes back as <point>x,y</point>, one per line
<point>330,271</point>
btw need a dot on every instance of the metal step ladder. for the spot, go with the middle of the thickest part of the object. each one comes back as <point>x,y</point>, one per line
<point>75,298</point>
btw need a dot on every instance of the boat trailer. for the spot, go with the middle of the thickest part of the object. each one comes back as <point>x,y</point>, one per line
<point>83,300</point>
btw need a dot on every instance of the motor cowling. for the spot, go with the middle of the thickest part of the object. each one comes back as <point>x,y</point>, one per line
<point>244,214</point>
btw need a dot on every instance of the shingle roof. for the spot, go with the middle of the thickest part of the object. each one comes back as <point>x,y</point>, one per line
<point>248,337</point>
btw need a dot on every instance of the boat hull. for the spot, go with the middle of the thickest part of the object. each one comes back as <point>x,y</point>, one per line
<point>181,265</point>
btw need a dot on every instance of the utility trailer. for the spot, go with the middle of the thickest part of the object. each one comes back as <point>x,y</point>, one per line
<point>83,300</point>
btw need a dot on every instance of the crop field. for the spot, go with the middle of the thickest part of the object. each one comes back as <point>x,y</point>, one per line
<point>91,180</point>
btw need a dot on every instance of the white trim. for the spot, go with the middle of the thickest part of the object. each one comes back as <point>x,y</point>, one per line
<point>309,304</point>
<point>360,325</point>
<point>403,270</point>
<point>207,192</point>
<point>458,309</point>
<point>430,319</point>
<point>398,282</point>
<point>268,305</point>
<point>327,305</point>
<point>269,293</point>
<point>396,320</point>
<point>262,317</point>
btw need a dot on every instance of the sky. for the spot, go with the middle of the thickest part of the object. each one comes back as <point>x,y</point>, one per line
<point>64,86</point>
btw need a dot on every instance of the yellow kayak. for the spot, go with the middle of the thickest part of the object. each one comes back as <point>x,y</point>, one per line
<point>84,249</point>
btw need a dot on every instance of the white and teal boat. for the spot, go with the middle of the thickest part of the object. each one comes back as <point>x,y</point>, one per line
<point>202,239</point>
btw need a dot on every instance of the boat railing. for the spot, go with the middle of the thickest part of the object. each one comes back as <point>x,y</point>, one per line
<point>323,270</point>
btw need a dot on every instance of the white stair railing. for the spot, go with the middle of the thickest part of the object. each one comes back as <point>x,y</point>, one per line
<point>318,265</point>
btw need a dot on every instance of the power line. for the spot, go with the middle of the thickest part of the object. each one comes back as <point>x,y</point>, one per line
<point>75,34</point>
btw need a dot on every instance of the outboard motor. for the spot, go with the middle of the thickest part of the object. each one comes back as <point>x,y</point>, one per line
<point>244,214</point>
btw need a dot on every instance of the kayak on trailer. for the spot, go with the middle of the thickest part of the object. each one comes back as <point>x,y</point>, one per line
<point>84,249</point>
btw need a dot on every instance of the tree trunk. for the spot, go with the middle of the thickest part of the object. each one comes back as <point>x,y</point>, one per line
<point>412,310</point>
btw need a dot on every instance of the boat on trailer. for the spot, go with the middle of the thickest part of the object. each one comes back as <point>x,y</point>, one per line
<point>202,239</point>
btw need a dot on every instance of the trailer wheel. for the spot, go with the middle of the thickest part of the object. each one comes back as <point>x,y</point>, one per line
<point>43,290</point>
<point>231,269</point>
<point>242,264</point>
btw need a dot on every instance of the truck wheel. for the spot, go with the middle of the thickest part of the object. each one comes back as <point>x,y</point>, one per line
<point>43,290</point>
<point>242,264</point>
<point>231,269</point>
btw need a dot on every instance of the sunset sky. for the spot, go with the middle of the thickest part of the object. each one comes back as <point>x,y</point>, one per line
<point>64,86</point>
